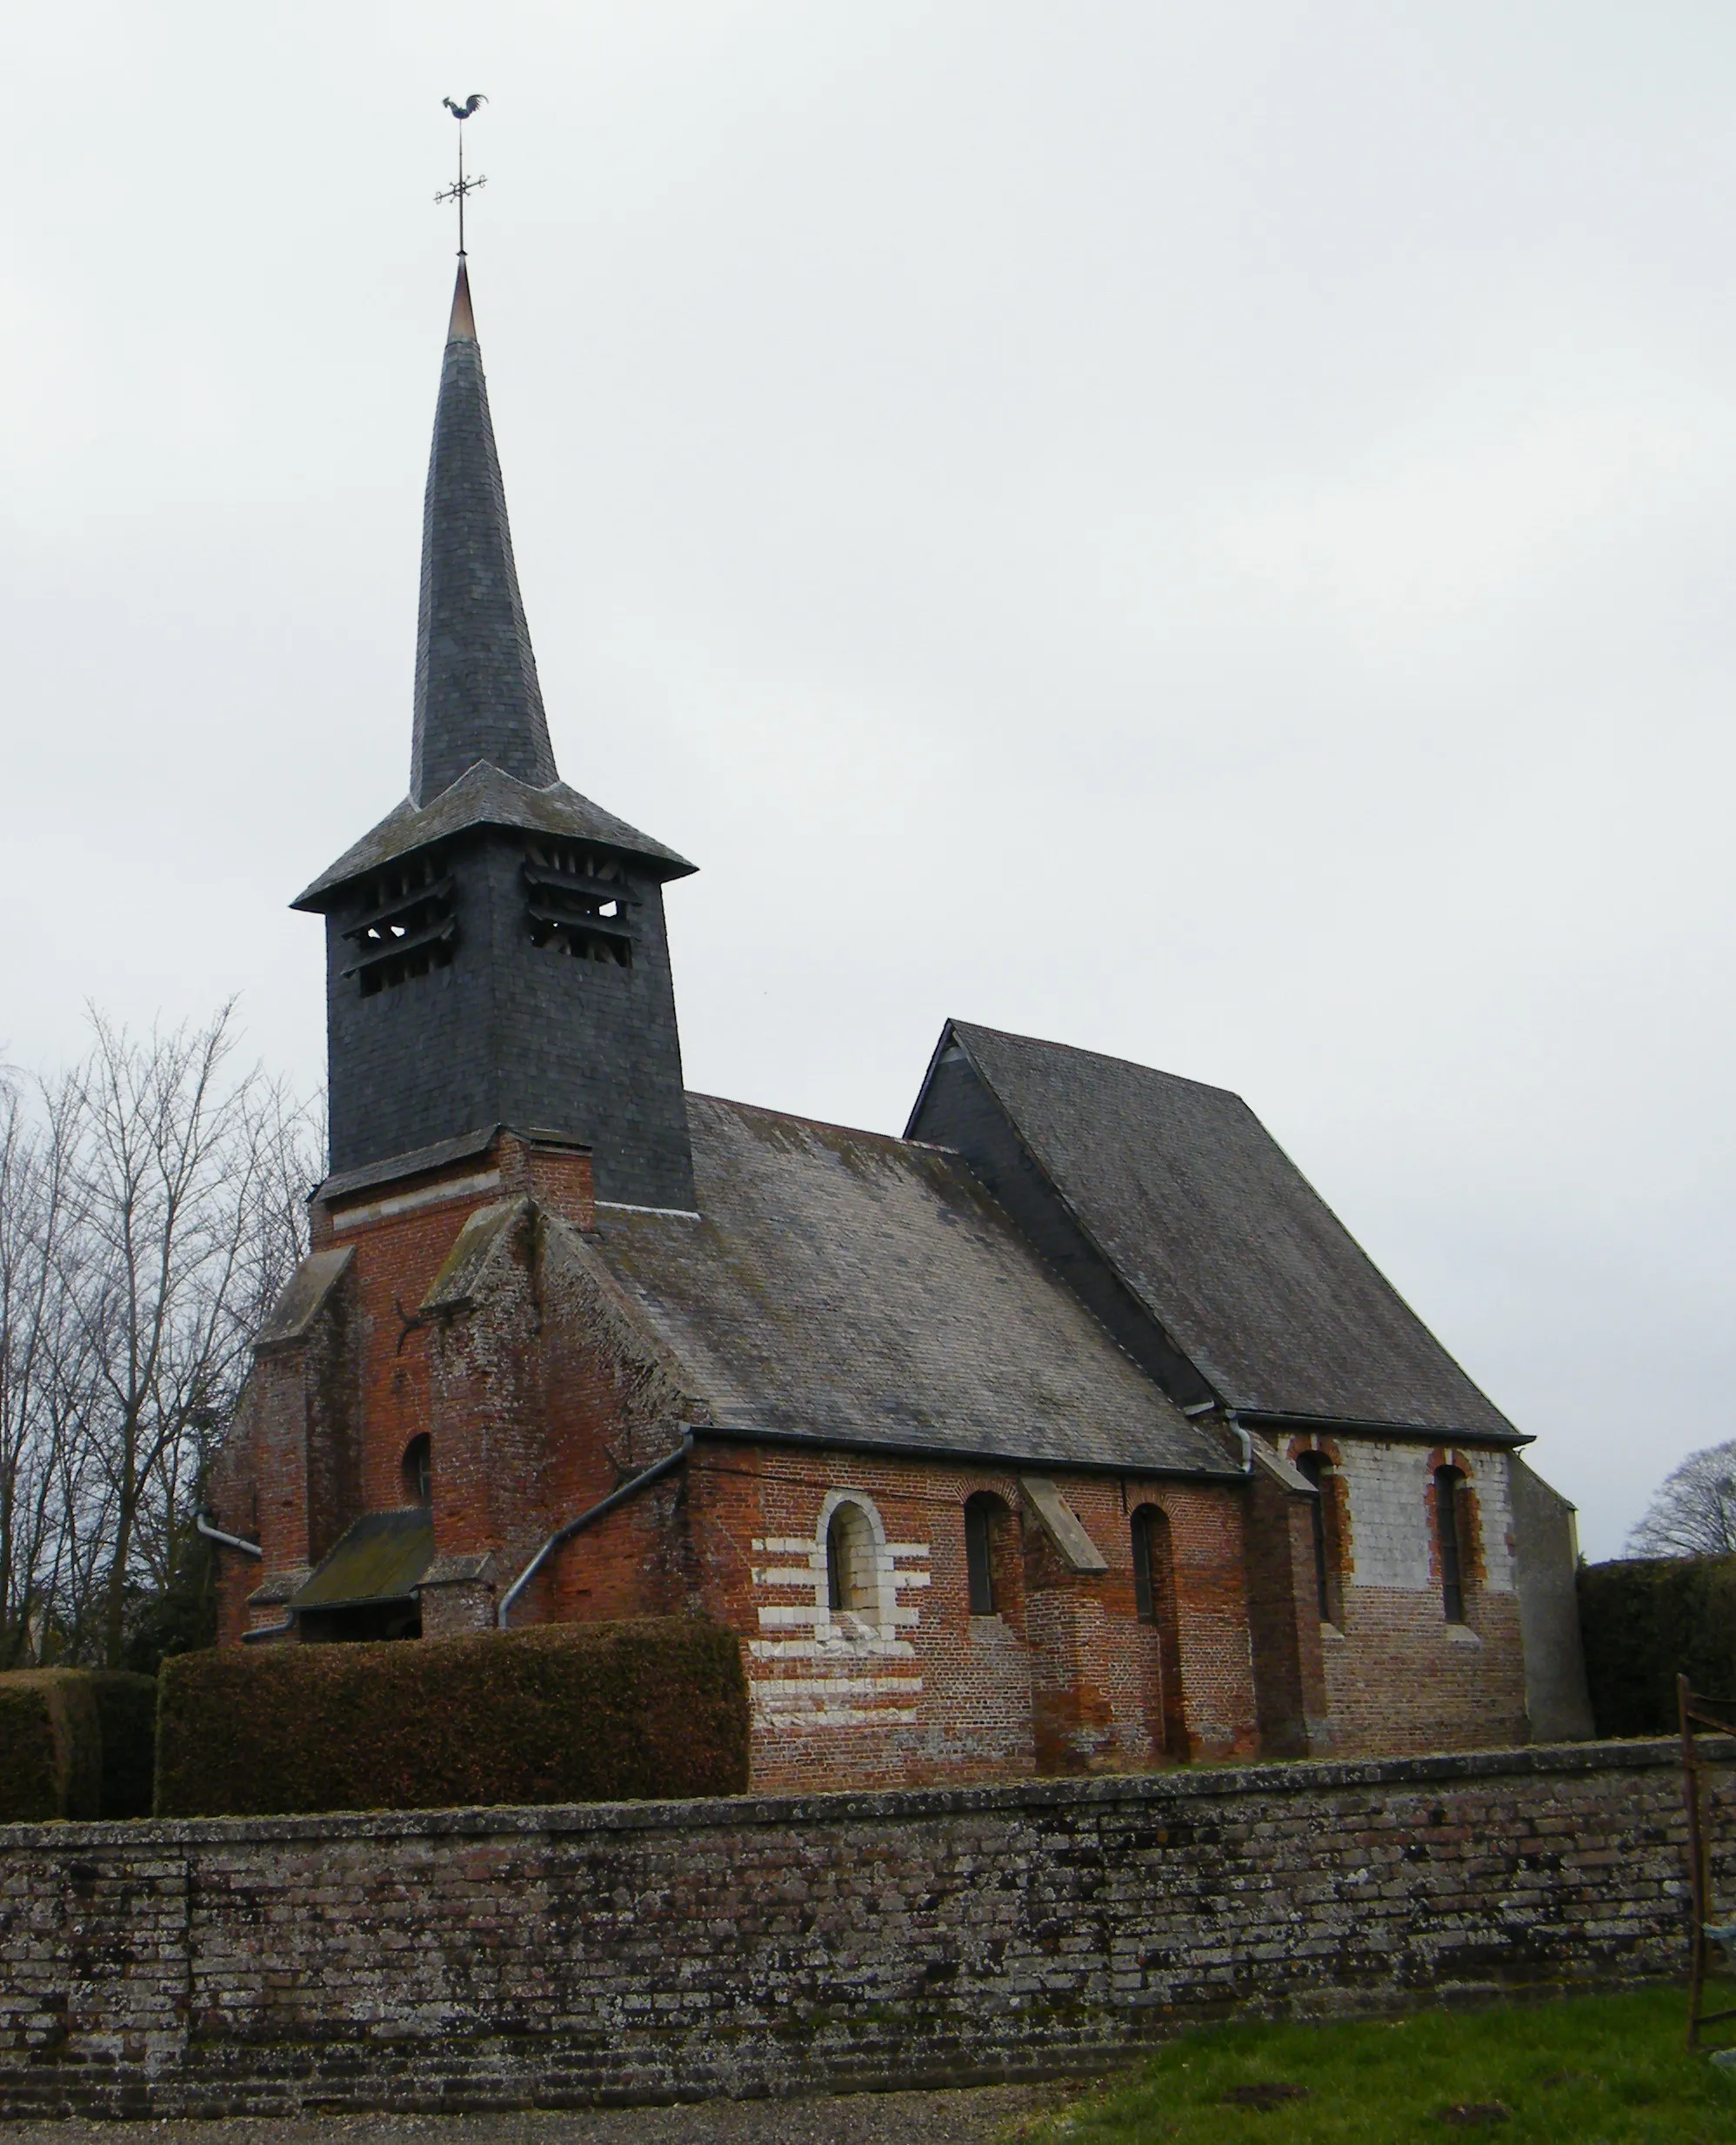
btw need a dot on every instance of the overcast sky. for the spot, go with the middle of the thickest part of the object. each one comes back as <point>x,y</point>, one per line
<point>1204,533</point>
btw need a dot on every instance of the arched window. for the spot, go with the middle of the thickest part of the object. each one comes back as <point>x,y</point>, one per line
<point>852,1583</point>
<point>418,1470</point>
<point>982,1515</point>
<point>1313,1469</point>
<point>1449,1534</point>
<point>1154,1600</point>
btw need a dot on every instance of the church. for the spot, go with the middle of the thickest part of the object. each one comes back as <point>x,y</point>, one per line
<point>1068,1431</point>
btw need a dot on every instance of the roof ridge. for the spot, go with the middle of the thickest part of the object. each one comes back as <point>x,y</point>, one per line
<point>819,1123</point>
<point>1099,1057</point>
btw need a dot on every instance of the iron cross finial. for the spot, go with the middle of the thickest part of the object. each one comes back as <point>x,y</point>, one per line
<point>464,187</point>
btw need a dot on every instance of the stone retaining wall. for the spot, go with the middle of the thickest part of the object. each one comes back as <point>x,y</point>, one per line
<point>513,1957</point>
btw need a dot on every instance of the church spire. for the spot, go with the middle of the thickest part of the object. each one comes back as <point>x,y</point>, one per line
<point>477,694</point>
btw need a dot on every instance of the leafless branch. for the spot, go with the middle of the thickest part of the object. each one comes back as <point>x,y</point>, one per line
<point>1693,1514</point>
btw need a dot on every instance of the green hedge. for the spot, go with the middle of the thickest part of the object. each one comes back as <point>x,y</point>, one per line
<point>126,1711</point>
<point>571,1712</point>
<point>51,1747</point>
<point>1644,1621</point>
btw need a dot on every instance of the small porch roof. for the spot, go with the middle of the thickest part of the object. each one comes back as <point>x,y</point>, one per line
<point>380,1558</point>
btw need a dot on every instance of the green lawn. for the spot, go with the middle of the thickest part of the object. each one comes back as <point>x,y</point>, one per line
<point>1590,2070</point>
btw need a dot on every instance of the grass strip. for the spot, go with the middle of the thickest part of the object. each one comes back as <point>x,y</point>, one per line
<point>1595,2070</point>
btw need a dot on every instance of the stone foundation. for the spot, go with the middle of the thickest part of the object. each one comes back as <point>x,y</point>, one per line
<point>553,1957</point>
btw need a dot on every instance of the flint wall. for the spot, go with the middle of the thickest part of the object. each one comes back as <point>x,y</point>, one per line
<point>515,1957</point>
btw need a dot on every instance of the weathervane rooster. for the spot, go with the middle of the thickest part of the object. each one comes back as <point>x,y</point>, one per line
<point>464,187</point>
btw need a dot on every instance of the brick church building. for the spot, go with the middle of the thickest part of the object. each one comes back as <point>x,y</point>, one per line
<point>1070,1431</point>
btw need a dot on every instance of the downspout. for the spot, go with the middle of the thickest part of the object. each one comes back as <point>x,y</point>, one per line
<point>247,1549</point>
<point>1234,1419</point>
<point>563,1534</point>
<point>229,1541</point>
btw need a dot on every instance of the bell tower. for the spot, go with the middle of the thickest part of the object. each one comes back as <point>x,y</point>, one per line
<point>496,951</point>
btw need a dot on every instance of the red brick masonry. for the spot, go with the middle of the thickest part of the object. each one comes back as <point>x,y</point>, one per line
<point>553,1957</point>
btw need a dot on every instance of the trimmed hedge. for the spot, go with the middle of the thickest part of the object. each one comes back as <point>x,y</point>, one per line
<point>565,1713</point>
<point>126,1711</point>
<point>1645,1620</point>
<point>51,1747</point>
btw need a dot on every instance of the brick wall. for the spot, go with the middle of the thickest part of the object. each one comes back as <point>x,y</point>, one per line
<point>324,1425</point>
<point>323,1428</point>
<point>1398,1675</point>
<point>914,1688</point>
<point>469,1309</point>
<point>642,1951</point>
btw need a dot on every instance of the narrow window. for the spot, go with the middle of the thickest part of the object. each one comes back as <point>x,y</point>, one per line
<point>834,1563</point>
<point>1312,1468</point>
<point>1446,1529</point>
<point>1144,1605</point>
<point>850,1575</point>
<point>979,1558</point>
<point>418,1470</point>
<point>1154,1599</point>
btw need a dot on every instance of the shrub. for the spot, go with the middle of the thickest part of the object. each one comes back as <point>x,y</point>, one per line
<point>568,1713</point>
<point>51,1747</point>
<point>1647,1620</point>
<point>126,1711</point>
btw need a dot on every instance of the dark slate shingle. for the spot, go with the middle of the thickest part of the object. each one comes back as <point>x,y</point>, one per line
<point>482,796</point>
<point>477,692</point>
<point>1213,1227</point>
<point>851,1285</point>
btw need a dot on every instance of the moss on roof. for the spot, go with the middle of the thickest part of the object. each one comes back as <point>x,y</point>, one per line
<point>847,1285</point>
<point>379,1558</point>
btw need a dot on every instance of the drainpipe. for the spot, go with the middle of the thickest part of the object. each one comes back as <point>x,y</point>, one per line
<point>1210,1407</point>
<point>229,1541</point>
<point>564,1535</point>
<point>247,1549</point>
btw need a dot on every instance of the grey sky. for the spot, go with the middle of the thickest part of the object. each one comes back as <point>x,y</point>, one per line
<point>1200,532</point>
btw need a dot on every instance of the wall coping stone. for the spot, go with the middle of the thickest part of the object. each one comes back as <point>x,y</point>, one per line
<point>903,1805</point>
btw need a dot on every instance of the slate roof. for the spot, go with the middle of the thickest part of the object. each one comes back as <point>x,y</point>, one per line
<point>477,692</point>
<point>480,753</point>
<point>379,1558</point>
<point>417,1162</point>
<point>1218,1232</point>
<point>853,1287</point>
<point>482,796</point>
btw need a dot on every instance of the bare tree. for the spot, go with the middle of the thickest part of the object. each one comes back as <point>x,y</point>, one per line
<point>37,1339</point>
<point>150,1210</point>
<point>1693,1511</point>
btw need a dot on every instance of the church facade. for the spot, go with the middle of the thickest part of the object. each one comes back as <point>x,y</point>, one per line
<point>1069,1431</point>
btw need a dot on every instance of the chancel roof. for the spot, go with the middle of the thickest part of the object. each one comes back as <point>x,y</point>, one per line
<point>1216,1231</point>
<point>857,1289</point>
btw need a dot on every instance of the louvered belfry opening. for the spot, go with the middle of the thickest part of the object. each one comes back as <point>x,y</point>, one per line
<point>407,925</point>
<point>577,901</point>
